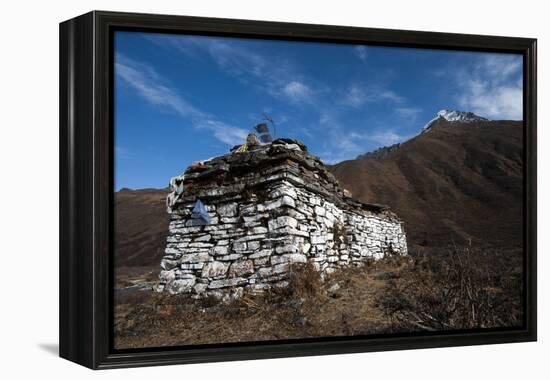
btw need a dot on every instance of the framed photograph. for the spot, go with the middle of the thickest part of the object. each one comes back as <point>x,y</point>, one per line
<point>235,189</point>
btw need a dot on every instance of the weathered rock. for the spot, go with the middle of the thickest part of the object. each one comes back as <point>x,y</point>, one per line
<point>215,269</point>
<point>253,245</point>
<point>289,258</point>
<point>184,285</point>
<point>320,211</point>
<point>239,246</point>
<point>241,268</point>
<point>228,209</point>
<point>195,257</point>
<point>206,237</point>
<point>217,284</point>
<point>168,264</point>
<point>282,221</point>
<point>220,250</point>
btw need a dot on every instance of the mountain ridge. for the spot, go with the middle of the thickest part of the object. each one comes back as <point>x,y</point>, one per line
<point>442,116</point>
<point>461,184</point>
<point>453,116</point>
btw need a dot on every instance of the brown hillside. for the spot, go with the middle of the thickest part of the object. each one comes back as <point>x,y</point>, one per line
<point>456,182</point>
<point>141,227</point>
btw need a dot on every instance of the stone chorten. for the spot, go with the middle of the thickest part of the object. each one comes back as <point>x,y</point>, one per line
<point>269,206</point>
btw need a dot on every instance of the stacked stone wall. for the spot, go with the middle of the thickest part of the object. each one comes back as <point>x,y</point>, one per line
<point>255,236</point>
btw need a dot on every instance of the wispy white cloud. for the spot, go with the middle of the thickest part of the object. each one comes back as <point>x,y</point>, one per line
<point>148,84</point>
<point>222,131</point>
<point>283,80</point>
<point>389,95</point>
<point>154,89</point>
<point>357,95</point>
<point>408,113</point>
<point>275,76</point>
<point>381,137</point>
<point>345,143</point>
<point>361,52</point>
<point>339,145</point>
<point>492,87</point>
<point>298,92</point>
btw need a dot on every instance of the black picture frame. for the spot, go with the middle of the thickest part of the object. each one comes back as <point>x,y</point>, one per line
<point>86,188</point>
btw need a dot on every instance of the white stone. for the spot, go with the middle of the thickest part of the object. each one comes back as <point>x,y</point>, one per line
<point>320,211</point>
<point>258,230</point>
<point>254,218</point>
<point>293,147</point>
<point>241,268</point>
<point>318,239</point>
<point>280,268</point>
<point>184,285</point>
<point>261,262</point>
<point>282,221</point>
<point>239,246</point>
<point>229,220</point>
<point>214,269</point>
<point>200,288</point>
<point>206,237</point>
<point>228,209</point>
<point>287,248</point>
<point>216,284</point>
<point>261,253</point>
<point>167,275</point>
<point>292,232</point>
<point>283,190</point>
<point>167,264</point>
<point>289,258</point>
<point>273,204</point>
<point>296,258</point>
<point>248,210</point>
<point>265,272</point>
<point>253,245</point>
<point>329,222</point>
<point>287,201</point>
<point>231,257</point>
<point>251,237</point>
<point>220,250</point>
<point>195,257</point>
<point>201,245</point>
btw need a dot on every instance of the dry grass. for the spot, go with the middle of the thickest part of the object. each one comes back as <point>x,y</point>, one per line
<point>464,289</point>
<point>373,299</point>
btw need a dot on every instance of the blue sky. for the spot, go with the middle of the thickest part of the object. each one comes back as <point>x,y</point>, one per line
<point>179,99</point>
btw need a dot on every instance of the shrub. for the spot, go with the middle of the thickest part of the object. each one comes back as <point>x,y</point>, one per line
<point>303,281</point>
<point>462,289</point>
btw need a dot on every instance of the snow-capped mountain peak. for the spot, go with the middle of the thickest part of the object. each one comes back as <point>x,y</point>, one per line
<point>454,116</point>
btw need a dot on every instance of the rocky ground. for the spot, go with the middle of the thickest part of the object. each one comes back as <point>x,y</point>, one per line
<point>340,306</point>
<point>391,295</point>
